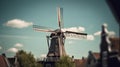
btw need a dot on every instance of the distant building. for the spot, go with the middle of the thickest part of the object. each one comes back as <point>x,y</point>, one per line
<point>4,61</point>
<point>8,62</point>
<point>114,54</point>
<point>80,62</point>
<point>13,62</point>
<point>115,44</point>
<point>92,60</point>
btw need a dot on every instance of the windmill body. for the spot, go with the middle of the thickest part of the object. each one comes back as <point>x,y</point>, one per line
<point>56,48</point>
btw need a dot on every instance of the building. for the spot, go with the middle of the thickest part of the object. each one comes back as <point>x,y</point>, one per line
<point>115,44</point>
<point>92,60</point>
<point>80,62</point>
<point>13,62</point>
<point>4,61</point>
<point>114,54</point>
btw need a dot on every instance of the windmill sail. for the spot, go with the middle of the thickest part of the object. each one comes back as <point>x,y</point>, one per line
<point>60,17</point>
<point>71,34</point>
<point>42,28</point>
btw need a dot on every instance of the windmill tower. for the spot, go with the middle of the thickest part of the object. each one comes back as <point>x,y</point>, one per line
<point>57,38</point>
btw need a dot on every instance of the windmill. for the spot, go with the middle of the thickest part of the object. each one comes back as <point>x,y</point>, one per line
<point>57,37</point>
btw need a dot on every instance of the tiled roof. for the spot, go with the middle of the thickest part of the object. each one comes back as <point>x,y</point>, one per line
<point>96,55</point>
<point>115,44</point>
<point>80,62</point>
<point>3,62</point>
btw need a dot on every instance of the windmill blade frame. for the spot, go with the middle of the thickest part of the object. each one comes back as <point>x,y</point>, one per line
<point>72,35</point>
<point>42,28</point>
<point>78,33</point>
<point>60,18</point>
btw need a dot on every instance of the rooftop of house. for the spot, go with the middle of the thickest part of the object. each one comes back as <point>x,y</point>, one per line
<point>96,55</point>
<point>80,62</point>
<point>115,44</point>
<point>3,61</point>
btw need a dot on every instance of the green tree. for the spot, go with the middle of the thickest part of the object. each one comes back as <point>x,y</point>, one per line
<point>65,61</point>
<point>26,59</point>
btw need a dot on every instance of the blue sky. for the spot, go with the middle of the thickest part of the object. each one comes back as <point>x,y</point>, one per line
<point>17,17</point>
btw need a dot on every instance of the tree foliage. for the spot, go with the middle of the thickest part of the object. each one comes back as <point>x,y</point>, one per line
<point>65,61</point>
<point>26,59</point>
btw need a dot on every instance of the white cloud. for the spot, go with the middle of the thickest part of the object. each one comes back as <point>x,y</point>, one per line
<point>90,37</point>
<point>0,47</point>
<point>17,23</point>
<point>97,33</point>
<point>43,56</point>
<point>81,29</point>
<point>74,29</point>
<point>18,45</point>
<point>15,36</point>
<point>70,42</point>
<point>14,50</point>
